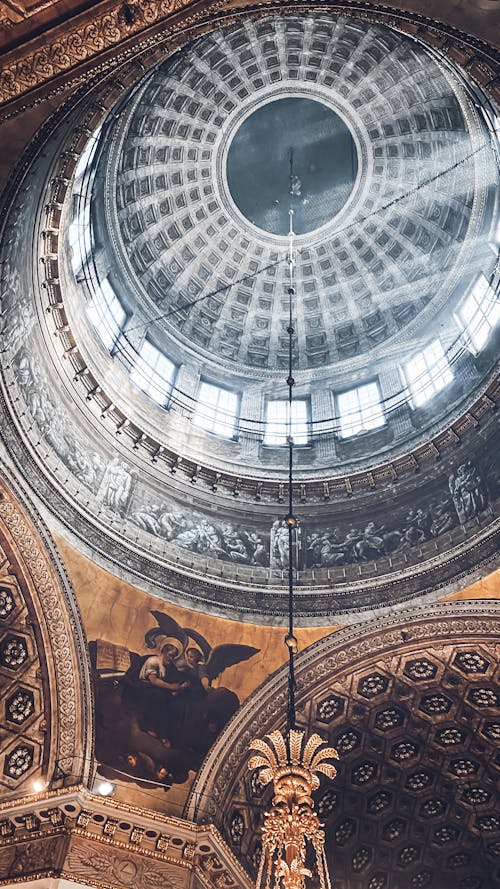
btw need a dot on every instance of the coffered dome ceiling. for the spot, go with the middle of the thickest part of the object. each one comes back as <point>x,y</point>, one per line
<point>183,211</point>
<point>391,210</point>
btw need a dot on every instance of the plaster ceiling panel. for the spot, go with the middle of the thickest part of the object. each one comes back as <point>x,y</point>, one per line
<point>180,509</point>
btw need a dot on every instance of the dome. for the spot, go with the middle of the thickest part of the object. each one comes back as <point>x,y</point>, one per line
<point>186,166</point>
<point>156,415</point>
<point>389,167</point>
<point>393,164</point>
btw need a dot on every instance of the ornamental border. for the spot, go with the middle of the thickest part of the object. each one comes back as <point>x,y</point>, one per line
<point>70,687</point>
<point>40,64</point>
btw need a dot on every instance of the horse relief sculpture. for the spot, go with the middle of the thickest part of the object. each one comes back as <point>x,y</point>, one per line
<point>427,521</point>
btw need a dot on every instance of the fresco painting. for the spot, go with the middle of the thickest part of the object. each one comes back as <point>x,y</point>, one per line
<point>158,711</point>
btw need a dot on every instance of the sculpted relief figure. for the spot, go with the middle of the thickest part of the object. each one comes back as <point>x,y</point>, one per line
<point>202,538</point>
<point>54,424</point>
<point>332,547</point>
<point>468,491</point>
<point>194,533</point>
<point>417,526</point>
<point>372,543</point>
<point>329,549</point>
<point>442,517</point>
<point>147,518</point>
<point>17,326</point>
<point>116,485</point>
<point>279,545</point>
<point>18,314</point>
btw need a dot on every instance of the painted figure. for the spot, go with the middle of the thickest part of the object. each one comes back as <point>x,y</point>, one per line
<point>157,720</point>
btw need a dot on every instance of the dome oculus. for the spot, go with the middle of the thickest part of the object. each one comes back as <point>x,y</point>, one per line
<point>291,152</point>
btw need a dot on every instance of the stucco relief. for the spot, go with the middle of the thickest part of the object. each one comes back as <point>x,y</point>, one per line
<point>424,521</point>
<point>113,867</point>
<point>463,496</point>
<point>56,427</point>
<point>57,746</point>
<point>84,42</point>
<point>194,532</point>
<point>152,530</point>
<point>113,481</point>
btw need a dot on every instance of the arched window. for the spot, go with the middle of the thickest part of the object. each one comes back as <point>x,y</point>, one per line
<point>154,373</point>
<point>427,373</point>
<point>360,410</point>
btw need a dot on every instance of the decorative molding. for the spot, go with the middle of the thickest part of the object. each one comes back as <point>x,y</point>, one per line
<point>58,627</point>
<point>77,835</point>
<point>343,651</point>
<point>84,40</point>
<point>43,60</point>
<point>428,570</point>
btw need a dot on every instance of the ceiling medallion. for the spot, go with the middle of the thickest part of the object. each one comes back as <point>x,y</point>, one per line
<point>291,827</point>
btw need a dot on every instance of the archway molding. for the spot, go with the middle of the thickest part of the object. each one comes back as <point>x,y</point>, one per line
<point>43,657</point>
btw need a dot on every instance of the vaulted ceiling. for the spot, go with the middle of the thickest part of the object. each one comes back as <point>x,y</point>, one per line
<point>410,699</point>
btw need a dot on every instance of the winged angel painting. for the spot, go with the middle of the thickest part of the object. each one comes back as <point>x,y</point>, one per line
<point>158,713</point>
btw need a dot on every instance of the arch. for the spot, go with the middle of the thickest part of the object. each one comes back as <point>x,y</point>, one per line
<point>43,657</point>
<point>345,652</point>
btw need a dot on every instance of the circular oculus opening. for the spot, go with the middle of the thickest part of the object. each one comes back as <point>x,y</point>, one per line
<point>291,153</point>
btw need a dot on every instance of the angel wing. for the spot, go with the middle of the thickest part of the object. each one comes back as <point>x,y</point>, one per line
<point>167,626</point>
<point>200,640</point>
<point>151,636</point>
<point>135,658</point>
<point>224,656</point>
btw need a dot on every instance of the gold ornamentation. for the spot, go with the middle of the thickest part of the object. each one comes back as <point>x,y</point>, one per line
<point>59,53</point>
<point>293,765</point>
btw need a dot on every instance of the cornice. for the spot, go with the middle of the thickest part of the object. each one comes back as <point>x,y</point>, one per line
<point>66,54</point>
<point>79,835</point>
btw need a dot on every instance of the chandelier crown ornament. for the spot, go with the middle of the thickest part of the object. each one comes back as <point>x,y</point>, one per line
<point>291,825</point>
<point>291,829</point>
<point>292,764</point>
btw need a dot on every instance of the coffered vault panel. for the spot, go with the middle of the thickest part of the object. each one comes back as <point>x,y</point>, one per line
<point>374,274</point>
<point>413,710</point>
<point>44,675</point>
<point>180,512</point>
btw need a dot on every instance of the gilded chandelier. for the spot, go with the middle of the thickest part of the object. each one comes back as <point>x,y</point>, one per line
<point>292,834</point>
<point>292,825</point>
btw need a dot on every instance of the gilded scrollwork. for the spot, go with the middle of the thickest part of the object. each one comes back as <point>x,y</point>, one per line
<point>85,41</point>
